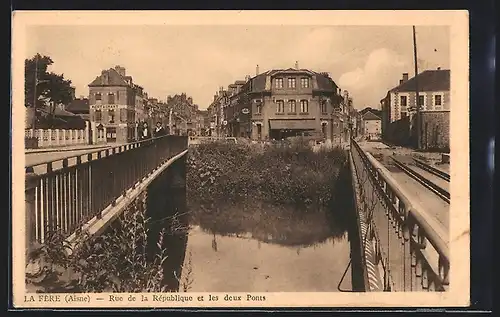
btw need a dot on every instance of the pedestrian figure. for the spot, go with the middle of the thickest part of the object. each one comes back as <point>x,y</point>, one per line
<point>144,132</point>
<point>159,130</point>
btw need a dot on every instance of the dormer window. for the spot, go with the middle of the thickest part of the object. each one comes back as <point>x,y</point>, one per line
<point>278,83</point>
<point>304,82</point>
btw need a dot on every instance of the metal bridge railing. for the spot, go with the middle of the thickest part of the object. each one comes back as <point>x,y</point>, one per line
<point>411,253</point>
<point>63,198</point>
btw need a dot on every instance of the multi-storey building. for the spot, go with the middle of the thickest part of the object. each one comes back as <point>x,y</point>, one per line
<point>286,102</point>
<point>117,104</point>
<point>216,113</point>
<point>399,107</point>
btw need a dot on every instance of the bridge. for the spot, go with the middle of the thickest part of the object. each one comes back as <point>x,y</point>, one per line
<point>400,247</point>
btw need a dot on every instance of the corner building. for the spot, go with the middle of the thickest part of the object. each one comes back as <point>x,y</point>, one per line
<point>285,103</point>
<point>117,104</point>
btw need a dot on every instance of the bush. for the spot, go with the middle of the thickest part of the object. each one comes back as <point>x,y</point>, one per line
<point>116,261</point>
<point>278,173</point>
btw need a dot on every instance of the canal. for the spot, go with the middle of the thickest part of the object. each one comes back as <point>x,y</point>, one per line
<point>254,246</point>
<point>277,252</point>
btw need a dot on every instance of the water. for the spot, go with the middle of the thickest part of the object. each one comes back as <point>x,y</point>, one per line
<point>242,263</point>
<point>264,248</point>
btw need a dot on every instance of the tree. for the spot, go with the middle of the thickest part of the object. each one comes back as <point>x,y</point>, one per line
<point>50,88</point>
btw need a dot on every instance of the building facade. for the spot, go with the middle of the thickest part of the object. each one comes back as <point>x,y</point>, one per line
<point>216,111</point>
<point>371,126</point>
<point>117,104</point>
<point>399,109</point>
<point>281,103</point>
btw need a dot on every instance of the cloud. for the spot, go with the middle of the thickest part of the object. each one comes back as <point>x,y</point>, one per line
<point>199,59</point>
<point>369,83</point>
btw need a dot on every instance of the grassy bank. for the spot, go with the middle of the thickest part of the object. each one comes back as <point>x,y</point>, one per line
<point>293,174</point>
<point>290,195</point>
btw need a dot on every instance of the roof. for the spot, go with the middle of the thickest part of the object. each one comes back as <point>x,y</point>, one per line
<point>114,79</point>
<point>429,80</point>
<point>78,105</point>
<point>369,109</point>
<point>240,82</point>
<point>58,112</point>
<point>258,83</point>
<point>370,116</point>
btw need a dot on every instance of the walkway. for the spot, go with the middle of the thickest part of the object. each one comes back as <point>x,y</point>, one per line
<point>56,155</point>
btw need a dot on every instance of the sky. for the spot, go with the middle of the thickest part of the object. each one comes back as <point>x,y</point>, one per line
<point>165,59</point>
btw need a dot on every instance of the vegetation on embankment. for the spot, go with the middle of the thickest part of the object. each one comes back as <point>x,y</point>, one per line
<point>119,260</point>
<point>292,174</point>
<point>289,192</point>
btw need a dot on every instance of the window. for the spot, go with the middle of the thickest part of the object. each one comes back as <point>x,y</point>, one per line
<point>304,106</point>
<point>304,82</point>
<point>323,106</point>
<point>259,131</point>
<point>293,106</point>
<point>124,115</point>
<point>291,82</point>
<point>437,100</point>
<point>404,101</point>
<point>280,106</point>
<point>420,100</point>
<point>279,82</point>
<point>98,115</point>
<point>98,96</point>
<point>258,108</point>
<point>117,95</point>
<point>111,98</point>
<point>111,116</point>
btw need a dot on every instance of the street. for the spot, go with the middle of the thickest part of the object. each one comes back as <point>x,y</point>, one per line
<point>43,157</point>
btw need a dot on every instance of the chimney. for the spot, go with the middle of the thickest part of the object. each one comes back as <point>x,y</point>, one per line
<point>400,81</point>
<point>405,77</point>
<point>104,77</point>
<point>120,70</point>
<point>257,70</point>
<point>296,64</point>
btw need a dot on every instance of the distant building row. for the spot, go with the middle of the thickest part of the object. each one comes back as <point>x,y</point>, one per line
<point>281,103</point>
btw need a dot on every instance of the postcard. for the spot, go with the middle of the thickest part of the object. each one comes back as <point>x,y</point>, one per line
<point>180,159</point>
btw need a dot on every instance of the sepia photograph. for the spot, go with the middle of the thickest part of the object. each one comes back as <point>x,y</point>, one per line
<point>233,158</point>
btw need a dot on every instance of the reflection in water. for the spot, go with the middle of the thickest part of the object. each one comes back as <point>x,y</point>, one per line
<point>263,247</point>
<point>240,266</point>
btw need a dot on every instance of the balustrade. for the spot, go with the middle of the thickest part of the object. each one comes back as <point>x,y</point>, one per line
<point>413,254</point>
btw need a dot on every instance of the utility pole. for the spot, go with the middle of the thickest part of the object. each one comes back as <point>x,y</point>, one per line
<point>35,99</point>
<point>170,121</point>
<point>417,97</point>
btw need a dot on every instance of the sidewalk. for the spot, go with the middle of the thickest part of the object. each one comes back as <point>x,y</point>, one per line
<point>71,148</point>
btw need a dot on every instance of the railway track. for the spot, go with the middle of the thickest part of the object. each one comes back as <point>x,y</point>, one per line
<point>432,170</point>
<point>436,189</point>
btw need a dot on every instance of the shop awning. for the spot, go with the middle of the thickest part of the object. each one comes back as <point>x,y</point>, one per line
<point>292,124</point>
